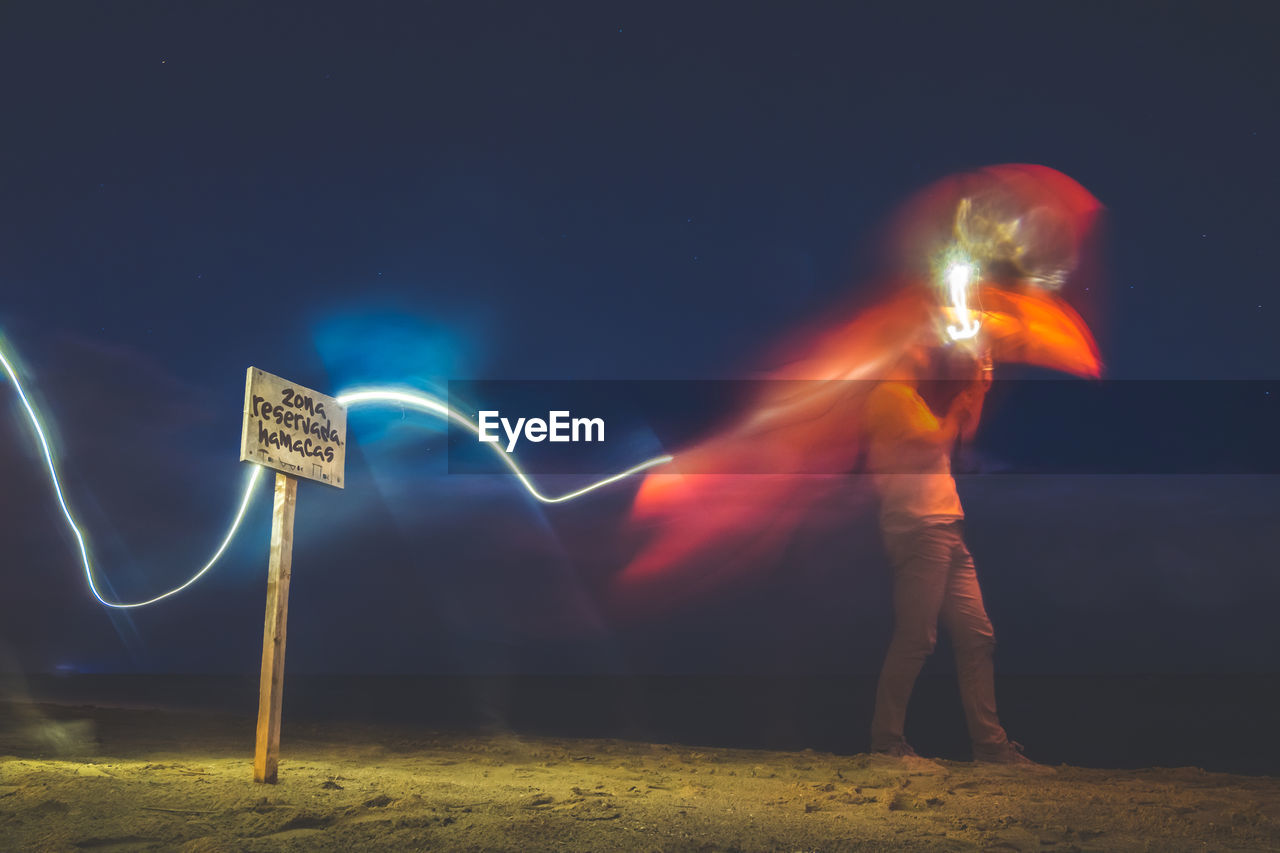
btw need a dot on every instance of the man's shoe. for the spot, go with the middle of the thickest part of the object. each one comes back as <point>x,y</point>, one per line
<point>898,749</point>
<point>1008,754</point>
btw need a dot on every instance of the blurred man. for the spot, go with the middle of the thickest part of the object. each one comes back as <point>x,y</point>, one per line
<point>909,454</point>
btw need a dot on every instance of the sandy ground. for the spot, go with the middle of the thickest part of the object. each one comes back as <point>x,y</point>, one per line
<point>162,780</point>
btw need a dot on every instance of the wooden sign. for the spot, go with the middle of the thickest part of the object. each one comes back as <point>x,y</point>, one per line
<point>299,433</point>
<point>292,429</point>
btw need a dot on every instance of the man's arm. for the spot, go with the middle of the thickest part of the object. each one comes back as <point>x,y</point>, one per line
<point>897,414</point>
<point>970,400</point>
<point>898,417</point>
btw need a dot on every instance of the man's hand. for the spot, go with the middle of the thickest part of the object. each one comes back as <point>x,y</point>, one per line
<point>986,369</point>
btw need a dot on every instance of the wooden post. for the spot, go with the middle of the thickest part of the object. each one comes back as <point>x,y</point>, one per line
<point>266,757</point>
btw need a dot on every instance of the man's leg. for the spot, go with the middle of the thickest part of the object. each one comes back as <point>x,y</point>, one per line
<point>965,618</point>
<point>921,564</point>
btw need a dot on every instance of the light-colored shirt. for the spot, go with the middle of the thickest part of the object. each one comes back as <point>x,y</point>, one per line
<point>913,479</point>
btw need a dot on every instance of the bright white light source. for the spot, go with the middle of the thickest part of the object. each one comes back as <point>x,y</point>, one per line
<point>958,277</point>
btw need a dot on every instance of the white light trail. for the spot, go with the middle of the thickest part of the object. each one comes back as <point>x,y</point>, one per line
<point>433,405</point>
<point>360,397</point>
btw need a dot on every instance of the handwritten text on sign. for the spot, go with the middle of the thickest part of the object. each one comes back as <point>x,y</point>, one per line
<point>293,429</point>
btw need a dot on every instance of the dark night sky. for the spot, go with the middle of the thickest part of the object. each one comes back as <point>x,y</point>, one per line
<point>409,193</point>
